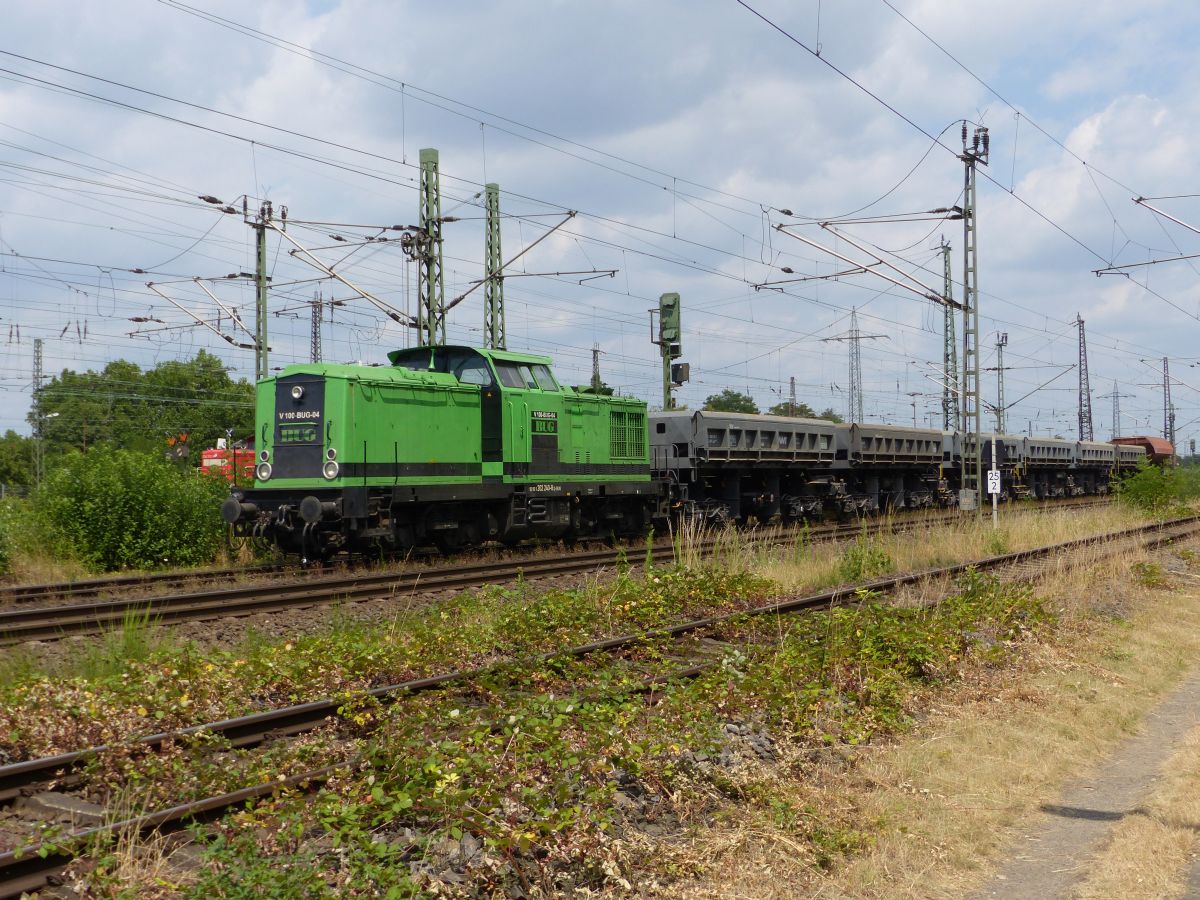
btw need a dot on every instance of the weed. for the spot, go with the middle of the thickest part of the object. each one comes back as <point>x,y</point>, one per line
<point>801,548</point>
<point>1150,574</point>
<point>832,843</point>
<point>133,641</point>
<point>863,559</point>
<point>998,542</point>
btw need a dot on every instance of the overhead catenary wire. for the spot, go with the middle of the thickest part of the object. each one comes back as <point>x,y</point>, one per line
<point>626,246</point>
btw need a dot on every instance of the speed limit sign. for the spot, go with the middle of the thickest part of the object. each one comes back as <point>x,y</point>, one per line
<point>993,481</point>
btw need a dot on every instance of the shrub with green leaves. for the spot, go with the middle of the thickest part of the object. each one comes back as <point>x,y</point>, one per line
<point>1159,490</point>
<point>119,509</point>
<point>10,521</point>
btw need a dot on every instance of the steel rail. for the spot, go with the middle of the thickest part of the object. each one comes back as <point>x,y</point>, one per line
<point>52,623</point>
<point>30,869</point>
<point>243,731</point>
<point>94,587</point>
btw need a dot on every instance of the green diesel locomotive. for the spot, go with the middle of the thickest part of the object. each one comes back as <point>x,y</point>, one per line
<point>449,446</point>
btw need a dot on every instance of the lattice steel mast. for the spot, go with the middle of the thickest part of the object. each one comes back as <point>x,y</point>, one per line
<point>260,223</point>
<point>431,294</point>
<point>1168,406</point>
<point>314,334</point>
<point>596,382</point>
<point>973,155</point>
<point>1001,409</point>
<point>1086,432</point>
<point>1116,396</point>
<point>854,404</point>
<point>493,306</point>
<point>949,349</point>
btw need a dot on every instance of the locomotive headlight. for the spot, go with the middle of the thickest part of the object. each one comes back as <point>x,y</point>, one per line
<point>297,391</point>
<point>263,455</point>
<point>331,453</point>
<point>262,471</point>
<point>330,470</point>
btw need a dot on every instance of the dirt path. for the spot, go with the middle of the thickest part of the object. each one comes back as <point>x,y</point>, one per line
<point>1054,854</point>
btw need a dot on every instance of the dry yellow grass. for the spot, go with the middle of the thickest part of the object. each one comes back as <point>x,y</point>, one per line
<point>800,566</point>
<point>33,569</point>
<point>1150,851</point>
<point>945,802</point>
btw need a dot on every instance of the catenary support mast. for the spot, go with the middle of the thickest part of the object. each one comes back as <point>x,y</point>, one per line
<point>1086,432</point>
<point>949,349</point>
<point>973,155</point>
<point>493,307</point>
<point>1001,343</point>
<point>431,295</point>
<point>1168,406</point>
<point>314,337</point>
<point>1116,396</point>
<point>261,279</point>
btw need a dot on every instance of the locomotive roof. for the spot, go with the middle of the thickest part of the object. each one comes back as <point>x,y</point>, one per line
<point>506,355</point>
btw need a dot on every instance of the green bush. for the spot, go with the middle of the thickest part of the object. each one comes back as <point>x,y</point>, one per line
<point>10,514</point>
<point>1159,491</point>
<point>120,509</point>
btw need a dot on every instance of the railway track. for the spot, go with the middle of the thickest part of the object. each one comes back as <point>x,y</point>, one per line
<point>48,623</point>
<point>112,586</point>
<point>31,869</point>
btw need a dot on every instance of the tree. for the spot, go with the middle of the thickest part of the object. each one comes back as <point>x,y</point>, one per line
<point>829,414</point>
<point>125,407</point>
<point>799,411</point>
<point>802,411</point>
<point>603,390</point>
<point>731,401</point>
<point>16,459</point>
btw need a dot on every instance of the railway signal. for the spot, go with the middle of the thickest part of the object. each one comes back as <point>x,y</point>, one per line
<point>670,334</point>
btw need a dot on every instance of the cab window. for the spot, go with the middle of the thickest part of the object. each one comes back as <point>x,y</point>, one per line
<point>544,379</point>
<point>474,370</point>
<point>510,374</point>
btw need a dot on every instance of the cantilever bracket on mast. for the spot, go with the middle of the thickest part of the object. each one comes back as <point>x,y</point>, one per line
<point>920,290</point>
<point>301,252</point>
<point>570,214</point>
<point>208,325</point>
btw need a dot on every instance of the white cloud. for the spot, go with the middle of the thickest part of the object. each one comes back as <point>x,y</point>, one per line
<point>703,92</point>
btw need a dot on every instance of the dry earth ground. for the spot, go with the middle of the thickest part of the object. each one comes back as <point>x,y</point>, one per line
<point>1075,773</point>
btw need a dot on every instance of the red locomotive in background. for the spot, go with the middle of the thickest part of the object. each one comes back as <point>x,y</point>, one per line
<point>234,465</point>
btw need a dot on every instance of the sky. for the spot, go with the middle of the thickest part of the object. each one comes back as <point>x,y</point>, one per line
<point>681,134</point>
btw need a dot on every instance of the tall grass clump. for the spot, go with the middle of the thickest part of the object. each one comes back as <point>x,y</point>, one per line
<point>120,509</point>
<point>865,558</point>
<point>1159,491</point>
